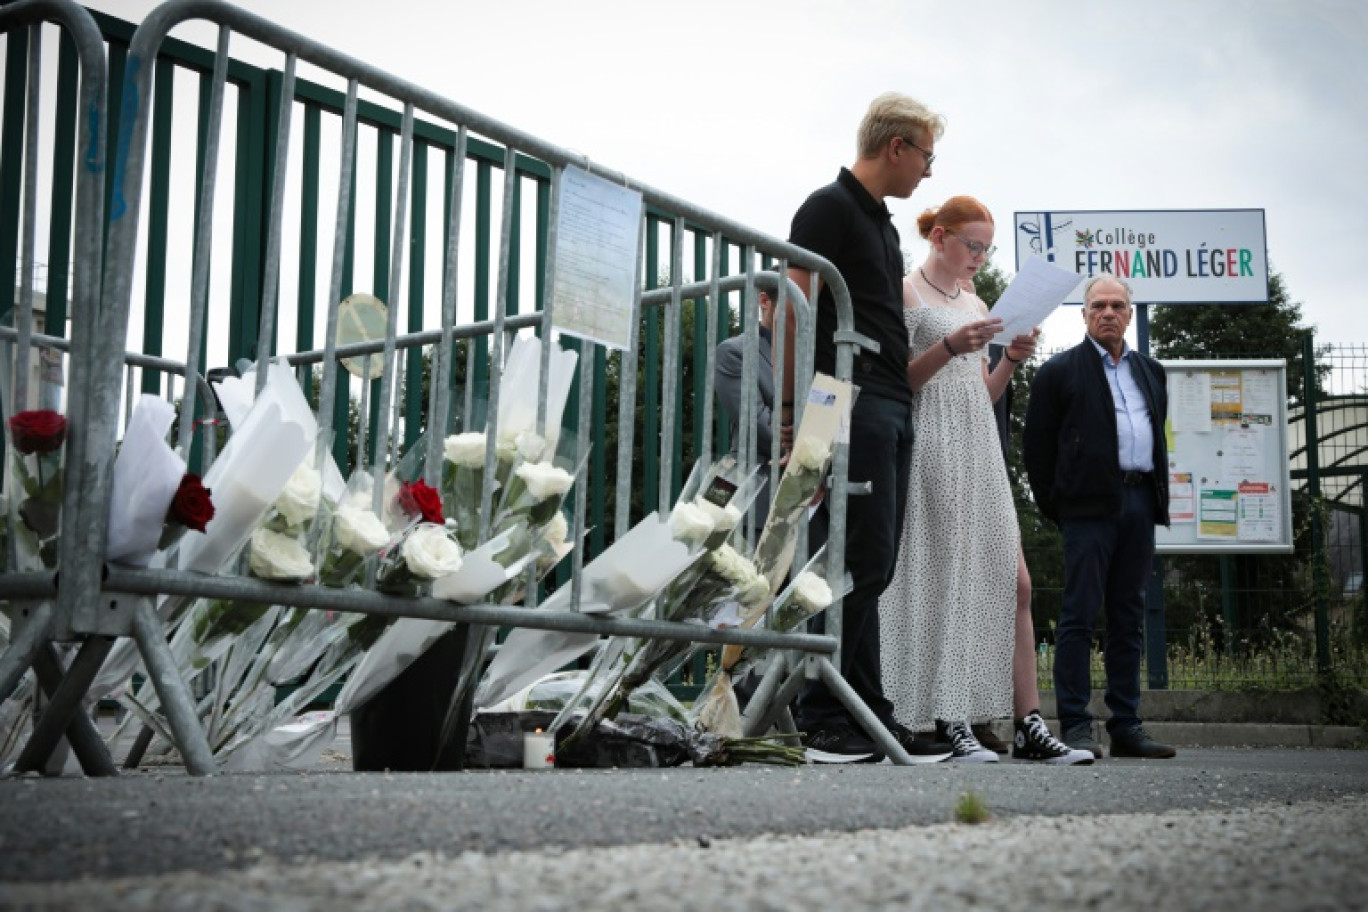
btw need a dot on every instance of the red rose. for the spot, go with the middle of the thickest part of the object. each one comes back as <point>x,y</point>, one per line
<point>40,431</point>
<point>191,507</point>
<point>421,498</point>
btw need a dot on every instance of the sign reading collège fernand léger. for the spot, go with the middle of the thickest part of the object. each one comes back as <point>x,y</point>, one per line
<point>1196,256</point>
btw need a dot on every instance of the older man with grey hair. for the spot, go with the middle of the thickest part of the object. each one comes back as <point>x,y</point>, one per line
<point>1097,461</point>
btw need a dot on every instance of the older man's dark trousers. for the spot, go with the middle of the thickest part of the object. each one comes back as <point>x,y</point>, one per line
<point>1106,566</point>
<point>880,453</point>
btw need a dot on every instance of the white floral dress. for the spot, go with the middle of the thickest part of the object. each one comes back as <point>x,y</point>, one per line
<point>947,620</point>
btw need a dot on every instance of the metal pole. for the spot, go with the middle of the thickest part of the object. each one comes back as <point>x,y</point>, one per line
<point>171,690</point>
<point>85,740</point>
<point>1313,484</point>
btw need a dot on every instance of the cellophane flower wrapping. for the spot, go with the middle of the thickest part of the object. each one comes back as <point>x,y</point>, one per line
<point>705,518</point>
<point>146,478</point>
<point>806,596</point>
<point>825,422</point>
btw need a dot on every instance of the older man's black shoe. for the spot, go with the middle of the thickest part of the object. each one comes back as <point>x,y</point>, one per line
<point>1137,743</point>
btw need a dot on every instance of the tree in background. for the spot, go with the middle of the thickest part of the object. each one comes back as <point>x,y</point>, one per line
<point>1273,593</point>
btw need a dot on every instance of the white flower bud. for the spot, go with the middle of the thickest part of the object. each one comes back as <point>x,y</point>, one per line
<point>299,501</point>
<point>556,530</point>
<point>274,556</point>
<point>359,530</point>
<point>690,524</point>
<point>544,480</point>
<point>812,592</point>
<point>724,518</point>
<point>467,450</point>
<point>430,553</point>
<point>810,453</point>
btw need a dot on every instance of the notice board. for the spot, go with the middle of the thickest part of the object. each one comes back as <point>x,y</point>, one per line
<point>1229,477</point>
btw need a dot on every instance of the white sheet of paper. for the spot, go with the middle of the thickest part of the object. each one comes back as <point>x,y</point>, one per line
<point>1190,401</point>
<point>1260,512</point>
<point>598,227</point>
<point>1242,454</point>
<point>1034,294</point>
<point>1260,394</point>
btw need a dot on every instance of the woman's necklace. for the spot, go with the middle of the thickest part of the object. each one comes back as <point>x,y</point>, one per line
<point>948,297</point>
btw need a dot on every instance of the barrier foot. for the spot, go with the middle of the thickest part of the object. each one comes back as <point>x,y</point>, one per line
<point>64,712</point>
<point>779,704</point>
<point>764,694</point>
<point>172,691</point>
<point>81,733</point>
<point>140,745</point>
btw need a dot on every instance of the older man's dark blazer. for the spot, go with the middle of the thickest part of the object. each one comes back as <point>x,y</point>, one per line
<point>727,385</point>
<point>1069,445</point>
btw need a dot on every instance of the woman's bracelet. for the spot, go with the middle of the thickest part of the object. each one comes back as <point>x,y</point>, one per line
<point>945,340</point>
<point>1010,358</point>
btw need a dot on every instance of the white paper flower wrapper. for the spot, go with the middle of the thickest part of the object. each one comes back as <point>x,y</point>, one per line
<point>274,437</point>
<point>146,474</point>
<point>518,393</point>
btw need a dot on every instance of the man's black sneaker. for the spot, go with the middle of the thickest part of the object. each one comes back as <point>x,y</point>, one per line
<point>1080,737</point>
<point>988,738</point>
<point>1034,741</point>
<point>921,750</point>
<point>1136,742</point>
<point>840,744</point>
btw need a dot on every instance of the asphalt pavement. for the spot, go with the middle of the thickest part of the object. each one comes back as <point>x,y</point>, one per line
<point>160,821</point>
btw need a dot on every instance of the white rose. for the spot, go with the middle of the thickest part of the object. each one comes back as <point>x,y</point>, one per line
<point>810,453</point>
<point>466,450</point>
<point>359,530</point>
<point>299,500</point>
<point>430,553</point>
<point>278,557</point>
<point>812,592</point>
<point>724,518</point>
<point>755,591</point>
<point>531,446</point>
<point>556,530</point>
<point>690,524</point>
<point>544,480</point>
<point>727,562</point>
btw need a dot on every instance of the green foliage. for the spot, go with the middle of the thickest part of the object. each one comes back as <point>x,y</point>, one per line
<point>1272,330</point>
<point>687,441</point>
<point>970,808</point>
<point>1273,593</point>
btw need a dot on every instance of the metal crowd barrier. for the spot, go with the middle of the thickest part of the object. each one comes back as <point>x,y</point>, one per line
<point>92,602</point>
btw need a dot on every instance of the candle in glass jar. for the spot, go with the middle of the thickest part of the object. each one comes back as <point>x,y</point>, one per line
<point>539,750</point>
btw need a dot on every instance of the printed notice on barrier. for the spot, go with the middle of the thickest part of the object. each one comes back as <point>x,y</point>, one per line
<point>598,231</point>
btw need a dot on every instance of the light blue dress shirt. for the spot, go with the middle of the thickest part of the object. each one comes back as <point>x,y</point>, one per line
<point>1134,432</point>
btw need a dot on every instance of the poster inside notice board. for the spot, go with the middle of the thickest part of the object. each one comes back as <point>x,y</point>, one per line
<point>1229,476</point>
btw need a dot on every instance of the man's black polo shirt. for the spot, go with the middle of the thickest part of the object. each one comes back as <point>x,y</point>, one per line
<point>844,224</point>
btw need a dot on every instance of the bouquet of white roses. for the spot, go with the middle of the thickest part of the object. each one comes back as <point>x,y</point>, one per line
<point>721,578</point>
<point>806,596</point>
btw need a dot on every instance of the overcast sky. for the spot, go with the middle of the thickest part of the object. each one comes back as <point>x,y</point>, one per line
<point>746,107</point>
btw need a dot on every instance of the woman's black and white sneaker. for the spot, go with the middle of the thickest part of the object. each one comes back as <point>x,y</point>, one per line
<point>1035,742</point>
<point>965,747</point>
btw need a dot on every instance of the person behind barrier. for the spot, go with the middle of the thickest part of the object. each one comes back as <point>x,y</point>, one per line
<point>1097,462</point>
<point>955,616</point>
<point>848,223</point>
<point>727,367</point>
